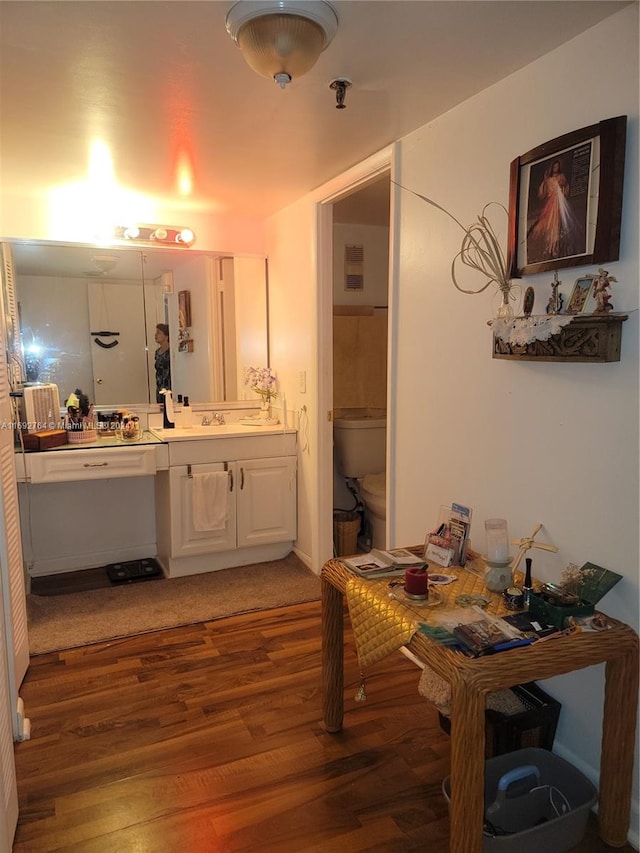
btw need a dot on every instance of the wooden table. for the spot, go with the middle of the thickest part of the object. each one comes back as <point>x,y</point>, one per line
<point>471,679</point>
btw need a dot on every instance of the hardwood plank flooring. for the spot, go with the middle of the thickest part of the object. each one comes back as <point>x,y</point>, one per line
<point>208,738</point>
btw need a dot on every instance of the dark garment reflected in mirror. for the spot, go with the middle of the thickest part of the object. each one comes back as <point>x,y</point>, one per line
<point>163,373</point>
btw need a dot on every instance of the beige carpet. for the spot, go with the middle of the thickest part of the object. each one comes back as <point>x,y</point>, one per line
<point>63,621</point>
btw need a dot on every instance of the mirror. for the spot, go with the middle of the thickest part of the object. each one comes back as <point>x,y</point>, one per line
<point>87,319</point>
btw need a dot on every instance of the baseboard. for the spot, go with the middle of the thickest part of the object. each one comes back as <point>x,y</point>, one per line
<point>175,567</point>
<point>305,558</point>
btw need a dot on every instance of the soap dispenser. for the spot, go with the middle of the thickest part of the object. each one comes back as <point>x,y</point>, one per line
<point>168,415</point>
<point>187,414</point>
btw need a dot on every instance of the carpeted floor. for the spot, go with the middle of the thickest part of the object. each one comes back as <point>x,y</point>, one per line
<point>64,621</point>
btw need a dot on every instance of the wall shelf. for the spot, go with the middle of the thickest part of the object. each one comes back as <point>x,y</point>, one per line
<point>594,338</point>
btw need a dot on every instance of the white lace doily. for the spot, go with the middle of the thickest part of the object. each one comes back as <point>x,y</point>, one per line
<point>520,331</point>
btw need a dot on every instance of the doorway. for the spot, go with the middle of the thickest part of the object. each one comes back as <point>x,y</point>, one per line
<point>360,304</point>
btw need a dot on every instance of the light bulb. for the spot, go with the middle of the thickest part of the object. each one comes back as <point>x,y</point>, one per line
<point>185,236</point>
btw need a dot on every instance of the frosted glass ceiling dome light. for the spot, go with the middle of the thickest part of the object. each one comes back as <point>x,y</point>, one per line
<point>282,39</point>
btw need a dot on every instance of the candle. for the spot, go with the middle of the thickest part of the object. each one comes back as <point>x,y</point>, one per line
<point>497,540</point>
<point>415,581</point>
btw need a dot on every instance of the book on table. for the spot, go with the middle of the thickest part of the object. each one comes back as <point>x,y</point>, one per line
<point>379,562</point>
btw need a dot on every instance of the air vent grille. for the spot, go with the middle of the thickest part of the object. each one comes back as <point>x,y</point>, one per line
<point>354,268</point>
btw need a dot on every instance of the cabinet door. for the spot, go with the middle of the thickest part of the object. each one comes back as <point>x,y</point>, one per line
<point>266,500</point>
<point>185,539</point>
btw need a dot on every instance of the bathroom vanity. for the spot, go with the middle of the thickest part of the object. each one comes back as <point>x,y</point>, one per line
<point>107,502</point>
<point>260,467</point>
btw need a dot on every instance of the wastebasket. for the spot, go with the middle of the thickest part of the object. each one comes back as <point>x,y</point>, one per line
<point>533,725</point>
<point>346,526</point>
<point>538,793</point>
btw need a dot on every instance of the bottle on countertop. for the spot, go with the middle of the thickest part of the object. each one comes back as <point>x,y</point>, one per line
<point>527,586</point>
<point>186,421</point>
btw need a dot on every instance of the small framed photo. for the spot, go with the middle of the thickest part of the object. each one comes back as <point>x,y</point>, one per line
<point>565,200</point>
<point>581,300</point>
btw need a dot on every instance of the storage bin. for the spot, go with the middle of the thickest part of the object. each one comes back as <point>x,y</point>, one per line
<point>534,727</point>
<point>546,827</point>
<point>346,526</point>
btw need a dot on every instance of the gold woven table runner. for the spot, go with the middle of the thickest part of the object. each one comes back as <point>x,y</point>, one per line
<point>381,624</point>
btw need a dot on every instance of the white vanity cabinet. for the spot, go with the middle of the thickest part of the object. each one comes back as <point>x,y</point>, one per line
<point>261,506</point>
<point>266,501</point>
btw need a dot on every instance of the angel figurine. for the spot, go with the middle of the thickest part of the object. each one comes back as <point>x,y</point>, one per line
<point>601,286</point>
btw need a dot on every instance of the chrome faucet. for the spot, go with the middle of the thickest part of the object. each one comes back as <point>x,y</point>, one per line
<point>214,418</point>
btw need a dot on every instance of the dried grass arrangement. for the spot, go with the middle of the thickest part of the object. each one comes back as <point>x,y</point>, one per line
<point>480,251</point>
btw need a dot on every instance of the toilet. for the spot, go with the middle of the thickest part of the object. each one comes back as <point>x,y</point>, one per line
<point>360,444</point>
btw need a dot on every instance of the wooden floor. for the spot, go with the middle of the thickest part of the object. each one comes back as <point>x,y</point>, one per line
<point>208,738</point>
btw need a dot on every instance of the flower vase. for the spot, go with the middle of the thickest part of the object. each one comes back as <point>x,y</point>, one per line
<point>505,311</point>
<point>265,410</point>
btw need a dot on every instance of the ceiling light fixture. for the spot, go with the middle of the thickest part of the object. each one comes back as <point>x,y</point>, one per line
<point>282,38</point>
<point>154,234</point>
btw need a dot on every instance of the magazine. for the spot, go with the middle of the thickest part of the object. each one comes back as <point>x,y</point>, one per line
<point>378,563</point>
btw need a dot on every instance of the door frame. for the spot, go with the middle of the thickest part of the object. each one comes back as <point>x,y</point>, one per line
<point>386,160</point>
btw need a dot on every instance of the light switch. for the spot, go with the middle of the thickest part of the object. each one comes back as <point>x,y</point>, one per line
<point>302,381</point>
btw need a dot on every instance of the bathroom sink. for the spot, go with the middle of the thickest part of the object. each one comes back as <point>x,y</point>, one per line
<point>213,431</point>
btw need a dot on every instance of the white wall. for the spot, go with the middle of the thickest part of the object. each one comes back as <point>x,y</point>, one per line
<point>552,443</point>
<point>294,347</point>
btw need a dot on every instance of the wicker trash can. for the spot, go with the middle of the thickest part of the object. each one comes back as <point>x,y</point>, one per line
<point>346,526</point>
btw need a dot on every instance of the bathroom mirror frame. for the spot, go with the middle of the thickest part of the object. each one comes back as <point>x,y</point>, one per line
<point>229,296</point>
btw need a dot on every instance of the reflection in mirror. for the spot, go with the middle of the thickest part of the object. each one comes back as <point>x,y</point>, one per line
<point>88,319</point>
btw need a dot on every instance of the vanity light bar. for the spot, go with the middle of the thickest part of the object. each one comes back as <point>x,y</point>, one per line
<point>155,234</point>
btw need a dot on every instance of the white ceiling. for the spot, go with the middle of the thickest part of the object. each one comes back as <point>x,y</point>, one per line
<point>152,79</point>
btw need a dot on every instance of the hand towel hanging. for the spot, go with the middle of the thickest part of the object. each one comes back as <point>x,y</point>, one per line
<point>209,500</point>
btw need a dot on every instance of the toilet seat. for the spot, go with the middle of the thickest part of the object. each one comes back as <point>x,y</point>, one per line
<point>373,491</point>
<point>375,484</point>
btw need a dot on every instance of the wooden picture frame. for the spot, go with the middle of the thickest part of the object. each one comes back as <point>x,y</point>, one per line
<point>565,200</point>
<point>184,309</point>
<point>581,298</point>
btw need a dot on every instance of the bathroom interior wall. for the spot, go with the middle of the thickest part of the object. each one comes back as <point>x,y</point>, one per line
<point>360,361</point>
<point>58,324</point>
<point>374,240</point>
<point>548,443</point>
<point>360,319</point>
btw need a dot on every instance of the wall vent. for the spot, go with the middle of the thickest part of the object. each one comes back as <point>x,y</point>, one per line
<point>354,268</point>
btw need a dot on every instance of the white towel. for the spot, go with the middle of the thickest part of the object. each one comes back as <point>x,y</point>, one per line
<point>209,500</point>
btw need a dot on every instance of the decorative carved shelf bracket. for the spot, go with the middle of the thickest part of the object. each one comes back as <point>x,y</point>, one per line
<point>594,338</point>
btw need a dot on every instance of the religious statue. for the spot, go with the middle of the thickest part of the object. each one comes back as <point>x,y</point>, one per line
<point>601,285</point>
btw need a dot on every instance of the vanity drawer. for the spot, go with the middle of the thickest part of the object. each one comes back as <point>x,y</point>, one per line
<point>102,464</point>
